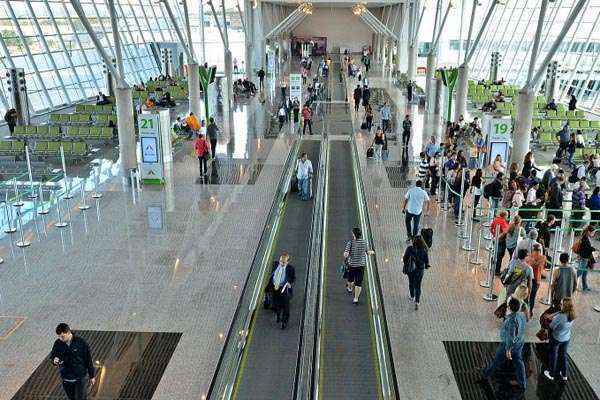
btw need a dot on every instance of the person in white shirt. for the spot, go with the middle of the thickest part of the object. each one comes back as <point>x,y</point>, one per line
<point>281,115</point>
<point>414,200</point>
<point>304,174</point>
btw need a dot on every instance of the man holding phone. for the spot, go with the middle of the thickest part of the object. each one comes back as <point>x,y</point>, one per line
<point>71,354</point>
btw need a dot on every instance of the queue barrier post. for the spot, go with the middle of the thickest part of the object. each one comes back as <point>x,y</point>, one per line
<point>8,217</point>
<point>60,223</point>
<point>83,206</point>
<point>476,259</point>
<point>18,202</point>
<point>467,245</point>
<point>43,210</point>
<point>23,242</point>
<point>95,193</point>
<point>460,198</point>
<point>558,238</point>
<point>490,296</point>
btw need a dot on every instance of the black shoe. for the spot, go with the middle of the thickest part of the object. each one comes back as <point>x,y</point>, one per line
<point>283,325</point>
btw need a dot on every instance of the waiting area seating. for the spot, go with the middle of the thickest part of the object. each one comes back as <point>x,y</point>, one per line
<point>52,149</point>
<point>12,147</point>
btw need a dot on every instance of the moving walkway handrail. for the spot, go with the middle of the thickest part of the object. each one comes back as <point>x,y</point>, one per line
<point>224,379</point>
<point>308,358</point>
<point>387,373</point>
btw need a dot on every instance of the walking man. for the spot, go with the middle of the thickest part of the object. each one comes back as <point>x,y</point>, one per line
<point>414,200</point>
<point>406,128</point>
<point>304,175</point>
<point>307,118</point>
<point>261,78</point>
<point>357,95</point>
<point>212,131</point>
<point>280,284</point>
<point>512,335</point>
<point>71,354</point>
<point>386,114</point>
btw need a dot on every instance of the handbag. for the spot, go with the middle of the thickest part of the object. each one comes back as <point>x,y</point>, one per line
<point>343,269</point>
<point>542,335</point>
<point>409,265</point>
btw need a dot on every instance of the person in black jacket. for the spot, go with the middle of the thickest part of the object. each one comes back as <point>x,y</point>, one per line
<point>357,96</point>
<point>11,118</point>
<point>71,354</point>
<point>586,257</point>
<point>493,190</point>
<point>416,260</point>
<point>280,284</point>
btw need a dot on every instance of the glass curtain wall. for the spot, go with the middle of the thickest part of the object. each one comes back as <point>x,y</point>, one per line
<point>62,67</point>
<point>511,32</point>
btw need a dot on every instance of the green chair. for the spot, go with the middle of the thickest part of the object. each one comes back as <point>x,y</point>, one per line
<point>42,130</point>
<point>579,114</point>
<point>41,148</point>
<point>95,132</point>
<point>571,115</point>
<point>546,125</point>
<point>574,124</point>
<point>18,146</point>
<point>551,114</point>
<point>67,147</point>
<point>30,130</point>
<point>84,131</point>
<point>66,118</point>
<point>584,125</point>
<point>556,125</point>
<point>53,148</point>
<point>54,132</point>
<point>80,107</point>
<point>536,123</point>
<point>5,147</point>
<point>561,114</point>
<point>19,130</point>
<point>561,107</point>
<point>595,125</point>
<point>54,118</point>
<point>72,131</point>
<point>107,133</point>
<point>79,149</point>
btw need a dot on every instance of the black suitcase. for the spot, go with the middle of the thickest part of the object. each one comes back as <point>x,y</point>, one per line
<point>363,126</point>
<point>370,152</point>
<point>427,235</point>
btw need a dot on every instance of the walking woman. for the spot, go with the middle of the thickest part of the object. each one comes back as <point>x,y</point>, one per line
<point>476,189</point>
<point>514,233</point>
<point>560,335</point>
<point>355,256</point>
<point>378,143</point>
<point>416,260</point>
<point>202,148</point>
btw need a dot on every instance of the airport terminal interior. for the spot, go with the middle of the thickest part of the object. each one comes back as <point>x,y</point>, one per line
<point>277,199</point>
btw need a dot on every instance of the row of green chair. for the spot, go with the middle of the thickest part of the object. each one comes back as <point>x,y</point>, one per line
<point>77,118</point>
<point>89,132</point>
<point>94,108</point>
<point>106,119</point>
<point>36,131</point>
<point>562,114</point>
<point>11,147</point>
<point>71,149</point>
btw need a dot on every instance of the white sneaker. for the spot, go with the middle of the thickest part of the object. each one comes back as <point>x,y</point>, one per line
<point>348,289</point>
<point>355,301</point>
<point>548,375</point>
<point>564,378</point>
<point>412,299</point>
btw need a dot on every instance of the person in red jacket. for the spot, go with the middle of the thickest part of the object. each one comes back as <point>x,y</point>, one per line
<point>500,224</point>
<point>202,147</point>
<point>307,118</point>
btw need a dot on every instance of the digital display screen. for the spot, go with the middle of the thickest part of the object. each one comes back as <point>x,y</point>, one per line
<point>149,150</point>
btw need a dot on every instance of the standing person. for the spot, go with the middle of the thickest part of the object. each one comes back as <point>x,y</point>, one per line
<point>537,261</point>
<point>281,115</point>
<point>476,189</point>
<point>369,117</point>
<point>235,65</point>
<point>283,88</point>
<point>366,96</point>
<point>584,250</point>
<point>416,260</point>
<point>386,114</point>
<point>512,335</point>
<point>355,256</point>
<point>357,95</point>
<point>304,174</point>
<point>414,201</point>
<point>307,119</point>
<point>378,143</point>
<point>71,354</point>
<point>202,147</point>
<point>11,118</point>
<point>573,103</point>
<point>499,225</point>
<point>296,109</point>
<point>406,128</point>
<point>261,78</point>
<point>545,229</point>
<point>283,276</point>
<point>212,131</point>
<point>560,336</point>
<point>514,233</point>
<point>564,279</point>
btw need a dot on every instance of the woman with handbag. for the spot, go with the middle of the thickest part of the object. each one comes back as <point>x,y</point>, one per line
<point>560,337</point>
<point>416,261</point>
<point>585,250</point>
<point>355,259</point>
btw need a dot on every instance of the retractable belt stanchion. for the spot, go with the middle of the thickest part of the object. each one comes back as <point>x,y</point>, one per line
<point>60,223</point>
<point>460,203</point>
<point>467,245</point>
<point>33,193</point>
<point>8,215</point>
<point>43,210</point>
<point>490,296</point>
<point>558,237</point>
<point>441,182</point>
<point>491,263</point>
<point>132,180</point>
<point>571,241</point>
<point>95,193</point>
<point>21,243</point>
<point>445,204</point>
<point>476,259</point>
<point>17,203</point>
<point>68,194</point>
<point>83,206</point>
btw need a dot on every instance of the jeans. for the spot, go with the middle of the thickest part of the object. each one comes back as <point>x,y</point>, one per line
<point>558,357</point>
<point>76,390</point>
<point>307,122</point>
<point>356,105</point>
<point>517,360</point>
<point>476,199</point>
<point>582,272</point>
<point>213,147</point>
<point>405,138</point>
<point>385,125</point>
<point>378,148</point>
<point>500,255</point>
<point>534,288</point>
<point>415,218</point>
<point>203,166</point>
<point>303,189</point>
<point>414,284</point>
<point>457,204</point>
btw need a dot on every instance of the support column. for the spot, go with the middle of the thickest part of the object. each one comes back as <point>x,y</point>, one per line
<point>461,91</point>
<point>193,77</point>
<point>495,63</point>
<point>436,123</point>
<point>429,80</point>
<point>398,56</point>
<point>411,52</point>
<point>126,129</point>
<point>523,124</point>
<point>248,38</point>
<point>551,81</point>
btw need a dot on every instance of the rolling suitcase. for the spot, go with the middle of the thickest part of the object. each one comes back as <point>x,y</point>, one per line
<point>427,235</point>
<point>370,152</point>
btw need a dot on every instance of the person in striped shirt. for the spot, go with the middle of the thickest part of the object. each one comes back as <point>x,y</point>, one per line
<point>355,256</point>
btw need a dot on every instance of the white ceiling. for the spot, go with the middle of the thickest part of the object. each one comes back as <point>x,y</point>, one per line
<point>340,3</point>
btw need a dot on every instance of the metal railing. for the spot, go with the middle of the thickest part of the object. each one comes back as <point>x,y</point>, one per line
<point>222,386</point>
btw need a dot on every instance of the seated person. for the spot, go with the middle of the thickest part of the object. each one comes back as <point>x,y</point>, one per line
<point>489,106</point>
<point>249,86</point>
<point>180,128</point>
<point>551,105</point>
<point>166,100</point>
<point>101,99</point>
<point>499,97</point>
<point>150,102</point>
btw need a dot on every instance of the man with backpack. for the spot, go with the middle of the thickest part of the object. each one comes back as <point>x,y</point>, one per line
<point>406,129</point>
<point>357,95</point>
